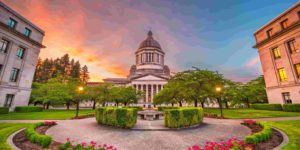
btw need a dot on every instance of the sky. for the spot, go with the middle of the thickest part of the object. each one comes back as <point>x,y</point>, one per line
<point>104,34</point>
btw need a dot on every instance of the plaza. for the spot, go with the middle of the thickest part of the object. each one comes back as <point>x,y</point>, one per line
<point>93,75</point>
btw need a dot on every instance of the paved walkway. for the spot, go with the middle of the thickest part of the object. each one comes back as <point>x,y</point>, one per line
<point>125,139</point>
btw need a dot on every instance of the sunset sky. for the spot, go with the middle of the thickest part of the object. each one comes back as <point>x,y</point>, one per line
<point>217,35</point>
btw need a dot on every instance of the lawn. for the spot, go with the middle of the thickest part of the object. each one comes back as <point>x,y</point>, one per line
<point>251,113</point>
<point>7,129</point>
<point>292,129</point>
<point>44,115</point>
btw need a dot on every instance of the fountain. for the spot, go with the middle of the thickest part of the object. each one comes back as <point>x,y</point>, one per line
<point>150,113</point>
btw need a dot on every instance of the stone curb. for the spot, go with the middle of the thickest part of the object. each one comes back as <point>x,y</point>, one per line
<point>284,142</point>
<point>171,129</point>
<point>10,142</point>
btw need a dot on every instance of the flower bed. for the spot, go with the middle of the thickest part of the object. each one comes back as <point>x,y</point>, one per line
<point>231,144</point>
<point>85,146</point>
<point>117,117</point>
<point>34,137</point>
<point>263,136</point>
<point>183,117</point>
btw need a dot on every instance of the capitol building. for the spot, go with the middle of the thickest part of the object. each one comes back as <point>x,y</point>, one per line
<point>149,74</point>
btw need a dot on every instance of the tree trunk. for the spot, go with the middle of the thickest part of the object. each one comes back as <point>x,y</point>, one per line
<point>68,105</point>
<point>103,104</point>
<point>180,104</point>
<point>125,103</point>
<point>226,104</point>
<point>202,104</point>
<point>47,106</point>
<point>195,103</point>
<point>77,108</point>
<point>94,104</point>
<point>44,106</point>
<point>247,102</point>
<point>172,104</point>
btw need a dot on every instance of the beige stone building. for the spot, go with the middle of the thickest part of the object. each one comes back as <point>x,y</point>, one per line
<point>278,44</point>
<point>149,74</point>
<point>20,44</point>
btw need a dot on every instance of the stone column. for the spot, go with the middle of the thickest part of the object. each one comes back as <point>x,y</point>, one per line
<point>147,93</point>
<point>152,92</point>
<point>157,88</point>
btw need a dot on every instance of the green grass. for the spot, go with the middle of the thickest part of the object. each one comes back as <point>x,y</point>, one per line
<point>7,129</point>
<point>292,129</point>
<point>44,115</point>
<point>251,113</point>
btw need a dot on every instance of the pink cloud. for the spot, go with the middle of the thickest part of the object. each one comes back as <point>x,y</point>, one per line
<point>252,62</point>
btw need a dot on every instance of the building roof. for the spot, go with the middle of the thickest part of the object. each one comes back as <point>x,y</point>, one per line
<point>278,17</point>
<point>116,80</point>
<point>150,42</point>
<point>144,75</point>
<point>21,17</point>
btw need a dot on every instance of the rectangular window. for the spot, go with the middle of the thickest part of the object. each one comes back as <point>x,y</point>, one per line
<point>3,46</point>
<point>286,97</point>
<point>276,53</point>
<point>27,32</point>
<point>270,33</point>
<point>8,100</point>
<point>14,75</point>
<point>12,23</point>
<point>297,68</point>
<point>20,53</point>
<point>284,24</point>
<point>282,74</point>
<point>291,46</point>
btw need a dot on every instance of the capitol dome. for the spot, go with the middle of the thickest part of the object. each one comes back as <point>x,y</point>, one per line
<point>150,42</point>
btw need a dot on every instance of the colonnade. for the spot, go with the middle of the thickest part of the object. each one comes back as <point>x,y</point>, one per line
<point>149,90</point>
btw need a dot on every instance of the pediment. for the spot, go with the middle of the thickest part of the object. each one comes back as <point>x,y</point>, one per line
<point>149,78</point>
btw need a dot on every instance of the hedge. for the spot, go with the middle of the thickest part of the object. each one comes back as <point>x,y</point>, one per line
<point>162,108</point>
<point>275,107</point>
<point>117,117</point>
<point>261,136</point>
<point>35,137</point>
<point>139,108</point>
<point>28,109</point>
<point>4,110</point>
<point>291,107</point>
<point>183,117</point>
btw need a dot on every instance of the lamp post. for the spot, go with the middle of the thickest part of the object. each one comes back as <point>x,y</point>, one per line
<point>218,90</point>
<point>80,89</point>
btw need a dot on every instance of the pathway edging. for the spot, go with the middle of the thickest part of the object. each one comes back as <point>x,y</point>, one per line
<point>10,142</point>
<point>285,139</point>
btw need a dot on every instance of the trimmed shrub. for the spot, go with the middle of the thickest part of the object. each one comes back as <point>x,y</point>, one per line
<point>183,117</point>
<point>261,136</point>
<point>4,110</point>
<point>139,108</point>
<point>117,117</point>
<point>275,107</point>
<point>291,107</point>
<point>35,137</point>
<point>162,108</point>
<point>28,109</point>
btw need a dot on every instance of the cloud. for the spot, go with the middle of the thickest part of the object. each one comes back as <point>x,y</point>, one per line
<point>252,62</point>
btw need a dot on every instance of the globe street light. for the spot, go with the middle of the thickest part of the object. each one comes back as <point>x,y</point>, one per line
<point>218,90</point>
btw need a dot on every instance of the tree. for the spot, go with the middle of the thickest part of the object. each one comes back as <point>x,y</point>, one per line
<point>84,74</point>
<point>93,93</point>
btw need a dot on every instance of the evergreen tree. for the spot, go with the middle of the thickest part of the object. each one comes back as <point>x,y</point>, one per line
<point>84,74</point>
<point>75,73</point>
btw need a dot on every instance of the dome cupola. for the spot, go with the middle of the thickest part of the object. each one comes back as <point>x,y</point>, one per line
<point>150,42</point>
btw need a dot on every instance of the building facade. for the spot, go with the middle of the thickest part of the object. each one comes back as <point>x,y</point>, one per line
<point>20,44</point>
<point>278,44</point>
<point>149,74</point>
